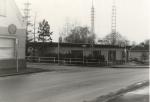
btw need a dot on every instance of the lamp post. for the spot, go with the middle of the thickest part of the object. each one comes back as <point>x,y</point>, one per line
<point>83,52</point>
<point>125,50</point>
<point>59,41</point>
<point>92,47</point>
<point>58,52</point>
<point>58,49</point>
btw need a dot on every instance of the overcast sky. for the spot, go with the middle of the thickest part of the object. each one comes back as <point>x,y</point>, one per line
<point>132,15</point>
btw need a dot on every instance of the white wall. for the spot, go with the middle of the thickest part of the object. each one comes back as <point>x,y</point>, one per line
<point>12,15</point>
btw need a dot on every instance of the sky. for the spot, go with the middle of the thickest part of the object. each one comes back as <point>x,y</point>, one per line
<point>132,16</point>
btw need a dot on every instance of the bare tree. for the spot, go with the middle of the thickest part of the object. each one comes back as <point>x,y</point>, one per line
<point>80,34</point>
<point>67,27</point>
<point>109,40</point>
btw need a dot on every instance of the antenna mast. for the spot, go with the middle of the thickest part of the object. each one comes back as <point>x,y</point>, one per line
<point>92,19</point>
<point>26,20</point>
<point>27,16</point>
<point>113,26</point>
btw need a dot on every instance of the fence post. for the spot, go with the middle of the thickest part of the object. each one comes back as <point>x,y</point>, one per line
<point>39,59</point>
<point>54,60</point>
<point>83,60</point>
<point>64,61</point>
<point>70,60</point>
<point>87,62</point>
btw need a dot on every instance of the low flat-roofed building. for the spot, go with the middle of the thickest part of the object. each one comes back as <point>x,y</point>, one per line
<point>108,53</point>
<point>139,53</point>
<point>12,36</point>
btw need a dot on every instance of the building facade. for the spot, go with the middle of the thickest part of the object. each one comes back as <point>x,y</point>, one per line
<point>107,53</point>
<point>140,54</point>
<point>12,36</point>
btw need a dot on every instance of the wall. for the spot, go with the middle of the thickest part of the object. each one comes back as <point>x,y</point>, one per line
<point>137,54</point>
<point>87,51</point>
<point>13,16</point>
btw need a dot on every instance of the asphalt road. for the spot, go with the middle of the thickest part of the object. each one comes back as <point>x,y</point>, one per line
<point>67,86</point>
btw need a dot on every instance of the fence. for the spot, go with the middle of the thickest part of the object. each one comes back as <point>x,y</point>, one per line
<point>72,61</point>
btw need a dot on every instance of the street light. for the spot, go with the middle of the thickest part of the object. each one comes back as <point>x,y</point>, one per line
<point>59,41</point>
<point>92,45</point>
<point>125,50</point>
<point>83,52</point>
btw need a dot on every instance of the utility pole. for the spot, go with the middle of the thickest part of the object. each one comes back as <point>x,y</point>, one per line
<point>34,33</point>
<point>34,27</point>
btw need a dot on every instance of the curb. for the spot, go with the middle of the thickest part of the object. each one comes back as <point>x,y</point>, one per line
<point>23,73</point>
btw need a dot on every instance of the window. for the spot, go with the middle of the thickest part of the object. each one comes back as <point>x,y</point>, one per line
<point>3,8</point>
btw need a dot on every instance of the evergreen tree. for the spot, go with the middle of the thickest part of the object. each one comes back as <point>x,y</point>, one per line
<point>44,32</point>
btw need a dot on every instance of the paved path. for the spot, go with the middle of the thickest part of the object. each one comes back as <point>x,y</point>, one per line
<point>67,86</point>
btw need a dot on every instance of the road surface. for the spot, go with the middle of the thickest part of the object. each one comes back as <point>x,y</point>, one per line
<point>73,86</point>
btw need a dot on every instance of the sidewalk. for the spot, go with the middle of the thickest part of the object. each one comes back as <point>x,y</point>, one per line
<point>131,65</point>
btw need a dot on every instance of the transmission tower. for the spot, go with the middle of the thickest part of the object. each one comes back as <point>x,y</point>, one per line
<point>92,19</point>
<point>113,25</point>
<point>92,25</point>
<point>27,17</point>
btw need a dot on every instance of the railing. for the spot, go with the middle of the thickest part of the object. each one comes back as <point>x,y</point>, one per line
<point>72,61</point>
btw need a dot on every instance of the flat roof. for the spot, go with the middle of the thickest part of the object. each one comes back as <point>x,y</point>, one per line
<point>55,44</point>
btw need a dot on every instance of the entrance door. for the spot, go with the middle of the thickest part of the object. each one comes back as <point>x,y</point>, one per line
<point>7,48</point>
